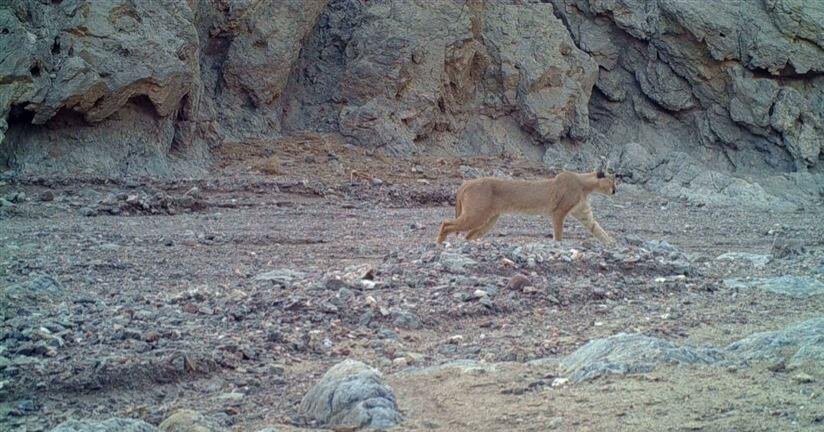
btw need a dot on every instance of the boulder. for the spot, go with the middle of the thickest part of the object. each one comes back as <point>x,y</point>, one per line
<point>110,425</point>
<point>351,395</point>
<point>41,287</point>
<point>623,354</point>
<point>188,421</point>
<point>798,345</point>
<point>792,286</point>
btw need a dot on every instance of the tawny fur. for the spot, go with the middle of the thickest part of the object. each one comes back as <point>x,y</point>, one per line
<point>480,202</point>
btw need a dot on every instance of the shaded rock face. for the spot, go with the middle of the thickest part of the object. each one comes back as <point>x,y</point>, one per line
<point>121,88</point>
<point>412,75</point>
<point>351,395</point>
<point>107,87</point>
<point>734,88</point>
<point>248,51</point>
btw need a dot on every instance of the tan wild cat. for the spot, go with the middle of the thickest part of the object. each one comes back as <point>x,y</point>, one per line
<point>481,201</point>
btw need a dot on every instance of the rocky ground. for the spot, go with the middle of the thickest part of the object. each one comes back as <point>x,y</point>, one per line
<point>232,296</point>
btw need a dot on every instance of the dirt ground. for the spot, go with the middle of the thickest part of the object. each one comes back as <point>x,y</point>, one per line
<point>159,308</point>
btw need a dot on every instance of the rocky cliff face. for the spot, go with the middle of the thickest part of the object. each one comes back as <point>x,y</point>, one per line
<point>693,101</point>
<point>688,94</point>
<point>413,76</point>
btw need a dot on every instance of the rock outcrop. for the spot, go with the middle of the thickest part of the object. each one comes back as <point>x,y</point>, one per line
<point>712,105</point>
<point>706,93</point>
<point>411,76</point>
<point>800,345</point>
<point>351,395</point>
<point>103,88</point>
<point>623,354</point>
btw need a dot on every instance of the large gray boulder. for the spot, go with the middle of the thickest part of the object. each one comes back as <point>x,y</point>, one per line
<point>351,395</point>
<point>789,285</point>
<point>798,345</point>
<point>623,354</point>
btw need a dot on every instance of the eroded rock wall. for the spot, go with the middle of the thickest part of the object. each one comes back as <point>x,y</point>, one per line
<point>122,88</point>
<point>705,92</point>
<point>99,87</point>
<point>706,103</point>
<point>464,77</point>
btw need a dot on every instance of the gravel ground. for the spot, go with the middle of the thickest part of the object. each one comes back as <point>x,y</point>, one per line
<point>232,295</point>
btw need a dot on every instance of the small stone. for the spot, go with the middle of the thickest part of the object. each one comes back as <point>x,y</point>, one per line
<point>47,196</point>
<point>491,290</point>
<point>462,296</point>
<point>187,421</point>
<point>16,197</point>
<point>455,340</point>
<point>232,396</point>
<point>507,263</point>
<point>405,319</point>
<point>4,203</point>
<point>376,181</point>
<point>598,293</point>
<point>26,406</point>
<point>386,333</point>
<point>529,289</point>
<point>275,336</point>
<point>366,318</point>
<point>414,358</point>
<point>110,425</point>
<point>351,396</point>
<point>151,336</point>
<point>130,333</point>
<point>400,362</point>
<point>803,378</point>
<point>518,282</point>
<point>479,293</point>
<point>194,192</point>
<point>558,382</point>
